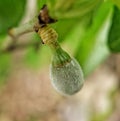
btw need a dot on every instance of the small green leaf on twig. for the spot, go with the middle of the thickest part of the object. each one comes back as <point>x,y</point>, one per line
<point>11,12</point>
<point>114,34</point>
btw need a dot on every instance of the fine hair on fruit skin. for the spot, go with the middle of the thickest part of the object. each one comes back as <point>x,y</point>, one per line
<point>67,79</point>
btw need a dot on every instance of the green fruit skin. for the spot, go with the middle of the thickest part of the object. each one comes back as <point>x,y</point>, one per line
<point>68,78</point>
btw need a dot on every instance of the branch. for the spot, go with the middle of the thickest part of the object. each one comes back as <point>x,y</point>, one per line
<point>32,26</point>
<point>16,46</point>
<point>23,29</point>
<point>15,33</point>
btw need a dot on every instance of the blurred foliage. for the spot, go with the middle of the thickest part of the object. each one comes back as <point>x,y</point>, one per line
<point>5,60</point>
<point>93,49</point>
<point>40,4</point>
<point>11,12</point>
<point>4,67</point>
<point>73,9</point>
<point>33,57</point>
<point>114,34</point>
<point>101,117</point>
<point>69,23</point>
<point>117,3</point>
<point>83,28</point>
<point>2,38</point>
<point>37,57</point>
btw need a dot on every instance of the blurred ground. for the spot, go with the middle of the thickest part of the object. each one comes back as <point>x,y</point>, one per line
<point>29,93</point>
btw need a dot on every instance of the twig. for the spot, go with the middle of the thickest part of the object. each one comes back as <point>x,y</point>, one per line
<point>32,26</point>
<point>15,33</point>
<point>16,46</point>
<point>23,29</point>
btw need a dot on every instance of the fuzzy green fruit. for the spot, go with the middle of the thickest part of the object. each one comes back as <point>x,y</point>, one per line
<point>66,74</point>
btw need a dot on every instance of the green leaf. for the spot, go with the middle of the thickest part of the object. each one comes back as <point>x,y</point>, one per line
<point>11,12</point>
<point>114,34</point>
<point>40,4</point>
<point>63,27</point>
<point>93,49</point>
<point>62,9</point>
<point>76,32</point>
<point>117,3</point>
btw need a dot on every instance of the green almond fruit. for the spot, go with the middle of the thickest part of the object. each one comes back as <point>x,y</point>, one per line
<point>66,73</point>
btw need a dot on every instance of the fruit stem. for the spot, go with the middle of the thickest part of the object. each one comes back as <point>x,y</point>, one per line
<point>54,47</point>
